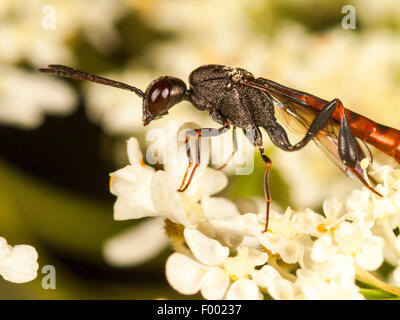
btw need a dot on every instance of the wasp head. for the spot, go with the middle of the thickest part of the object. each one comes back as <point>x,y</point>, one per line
<point>161,95</point>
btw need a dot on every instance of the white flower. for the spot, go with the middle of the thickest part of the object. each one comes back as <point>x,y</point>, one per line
<point>184,208</point>
<point>331,279</point>
<point>39,31</point>
<point>382,214</point>
<point>143,192</point>
<point>131,185</point>
<point>278,287</point>
<point>212,271</point>
<point>19,263</point>
<point>285,238</point>
<point>328,249</point>
<point>350,240</point>
<point>25,97</point>
<point>315,224</point>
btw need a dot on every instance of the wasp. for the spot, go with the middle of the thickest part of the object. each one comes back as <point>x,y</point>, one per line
<point>233,97</point>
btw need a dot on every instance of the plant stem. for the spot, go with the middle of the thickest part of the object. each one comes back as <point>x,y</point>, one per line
<point>368,278</point>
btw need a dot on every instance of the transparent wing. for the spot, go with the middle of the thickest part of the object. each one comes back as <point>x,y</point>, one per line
<point>298,118</point>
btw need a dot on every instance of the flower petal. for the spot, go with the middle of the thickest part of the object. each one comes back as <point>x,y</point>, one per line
<point>278,288</point>
<point>132,187</point>
<point>206,250</point>
<point>396,275</point>
<point>332,207</point>
<point>244,225</point>
<point>243,289</point>
<point>218,208</point>
<point>184,274</point>
<point>215,284</point>
<point>322,249</point>
<point>166,199</point>
<point>212,181</point>
<point>133,207</point>
<point>307,221</point>
<point>135,155</point>
<point>259,257</point>
<point>370,257</point>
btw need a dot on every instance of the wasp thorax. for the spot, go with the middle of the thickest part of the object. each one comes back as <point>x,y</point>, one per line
<point>162,94</point>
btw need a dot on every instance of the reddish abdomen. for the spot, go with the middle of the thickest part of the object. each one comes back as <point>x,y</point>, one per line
<point>382,137</point>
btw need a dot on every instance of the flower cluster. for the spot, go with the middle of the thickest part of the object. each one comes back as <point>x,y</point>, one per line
<point>37,34</point>
<point>224,253</point>
<point>40,96</point>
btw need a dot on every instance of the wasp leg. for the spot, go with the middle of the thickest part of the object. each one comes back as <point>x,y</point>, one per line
<point>235,148</point>
<point>198,133</point>
<point>267,194</point>
<point>189,155</point>
<point>279,136</point>
<point>255,137</point>
<point>347,145</point>
<point>184,186</point>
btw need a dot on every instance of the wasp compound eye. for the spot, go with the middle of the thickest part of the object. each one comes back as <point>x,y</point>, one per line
<point>158,97</point>
<point>162,94</point>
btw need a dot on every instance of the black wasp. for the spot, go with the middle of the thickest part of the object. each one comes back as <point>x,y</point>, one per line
<point>234,97</point>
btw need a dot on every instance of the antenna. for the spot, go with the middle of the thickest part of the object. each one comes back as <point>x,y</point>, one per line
<point>68,72</point>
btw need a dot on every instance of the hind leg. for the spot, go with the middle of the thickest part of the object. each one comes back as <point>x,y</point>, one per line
<point>347,145</point>
<point>255,137</point>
